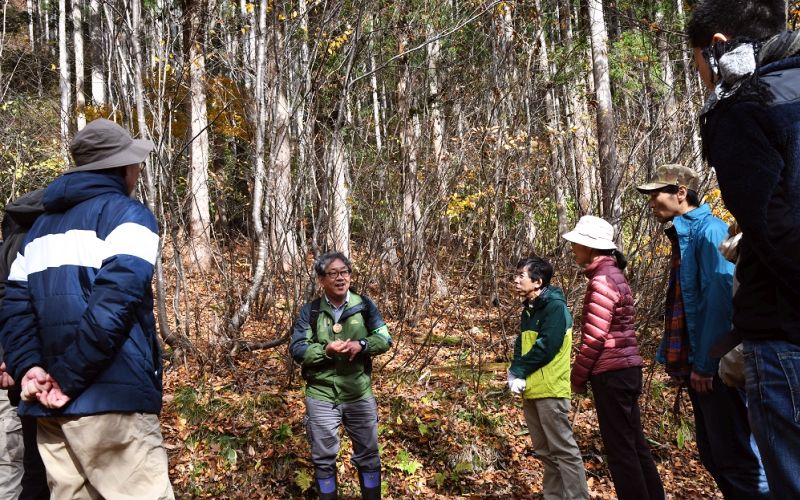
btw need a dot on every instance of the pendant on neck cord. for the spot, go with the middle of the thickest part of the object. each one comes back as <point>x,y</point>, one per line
<point>337,328</point>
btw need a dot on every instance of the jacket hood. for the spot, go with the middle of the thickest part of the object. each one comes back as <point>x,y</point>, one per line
<point>72,189</point>
<point>550,293</point>
<point>24,210</point>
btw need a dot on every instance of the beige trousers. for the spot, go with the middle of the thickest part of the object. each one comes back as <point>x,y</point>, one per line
<point>113,456</point>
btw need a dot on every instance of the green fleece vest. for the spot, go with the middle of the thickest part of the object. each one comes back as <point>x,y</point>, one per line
<point>552,380</point>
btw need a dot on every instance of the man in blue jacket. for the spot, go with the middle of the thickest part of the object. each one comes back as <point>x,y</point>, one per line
<point>78,329</point>
<point>697,315</point>
<point>751,132</point>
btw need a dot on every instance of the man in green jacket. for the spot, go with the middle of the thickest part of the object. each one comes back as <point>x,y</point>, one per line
<point>540,371</point>
<point>333,340</point>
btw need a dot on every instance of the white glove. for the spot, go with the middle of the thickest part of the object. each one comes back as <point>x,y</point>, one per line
<point>515,384</point>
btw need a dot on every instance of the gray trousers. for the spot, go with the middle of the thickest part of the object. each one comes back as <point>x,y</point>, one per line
<point>360,419</point>
<point>11,450</point>
<point>554,444</point>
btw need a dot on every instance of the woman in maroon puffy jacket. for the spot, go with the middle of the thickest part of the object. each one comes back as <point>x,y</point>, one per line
<point>609,359</point>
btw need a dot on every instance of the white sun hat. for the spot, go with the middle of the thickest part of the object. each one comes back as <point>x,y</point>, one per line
<point>592,232</point>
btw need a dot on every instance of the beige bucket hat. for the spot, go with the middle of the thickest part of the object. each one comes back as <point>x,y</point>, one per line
<point>592,232</point>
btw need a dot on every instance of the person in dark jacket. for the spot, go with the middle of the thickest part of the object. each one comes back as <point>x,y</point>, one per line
<point>25,477</point>
<point>78,329</point>
<point>334,340</point>
<point>750,127</point>
<point>696,316</point>
<point>609,358</point>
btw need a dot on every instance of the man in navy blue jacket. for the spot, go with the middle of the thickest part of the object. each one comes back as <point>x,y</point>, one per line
<point>751,136</point>
<point>78,329</point>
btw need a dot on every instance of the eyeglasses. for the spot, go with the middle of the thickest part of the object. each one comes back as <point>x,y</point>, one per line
<point>345,273</point>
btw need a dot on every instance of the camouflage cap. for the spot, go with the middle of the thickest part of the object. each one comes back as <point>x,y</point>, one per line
<point>671,175</point>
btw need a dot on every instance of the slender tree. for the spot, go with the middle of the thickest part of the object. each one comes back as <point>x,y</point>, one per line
<point>77,32</point>
<point>610,173</point>
<point>284,237</point>
<point>96,52</point>
<point>63,72</point>
<point>200,217</point>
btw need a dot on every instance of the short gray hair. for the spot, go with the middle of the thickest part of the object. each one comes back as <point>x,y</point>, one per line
<point>324,260</point>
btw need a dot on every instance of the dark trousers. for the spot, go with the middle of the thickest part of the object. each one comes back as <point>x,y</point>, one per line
<point>616,398</point>
<point>724,444</point>
<point>34,479</point>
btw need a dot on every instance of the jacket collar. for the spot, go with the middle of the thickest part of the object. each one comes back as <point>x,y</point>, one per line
<point>598,264</point>
<point>71,189</point>
<point>683,222</point>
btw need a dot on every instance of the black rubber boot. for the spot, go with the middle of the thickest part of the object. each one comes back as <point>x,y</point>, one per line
<point>370,484</point>
<point>327,488</point>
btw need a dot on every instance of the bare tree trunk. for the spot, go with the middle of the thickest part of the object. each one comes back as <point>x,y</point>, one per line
<point>338,164</point>
<point>373,80</point>
<point>409,140</point>
<point>611,176</point>
<point>199,218</point>
<point>577,117</point>
<point>284,237</point>
<point>46,25</point>
<point>141,122</point>
<point>260,119</point>
<point>437,120</point>
<point>670,113</point>
<point>77,32</point>
<point>31,34</point>
<point>248,38</point>
<point>96,51</point>
<point>553,135</point>
<point>696,161</point>
<point>2,46</point>
<point>63,71</point>
<point>504,75</point>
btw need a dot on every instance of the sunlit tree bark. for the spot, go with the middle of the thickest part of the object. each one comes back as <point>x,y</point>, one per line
<point>283,237</point>
<point>200,217</point>
<point>77,32</point>
<point>554,135</point>
<point>96,52</point>
<point>63,72</point>
<point>259,118</point>
<point>338,165</point>
<point>610,174</point>
<point>409,140</point>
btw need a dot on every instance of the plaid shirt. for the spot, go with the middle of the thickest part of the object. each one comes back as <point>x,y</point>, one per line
<point>676,335</point>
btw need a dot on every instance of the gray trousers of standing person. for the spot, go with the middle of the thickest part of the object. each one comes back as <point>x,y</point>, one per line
<point>551,433</point>
<point>11,449</point>
<point>360,419</point>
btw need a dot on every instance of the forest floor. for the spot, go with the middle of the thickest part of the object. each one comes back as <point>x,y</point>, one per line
<point>449,427</point>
